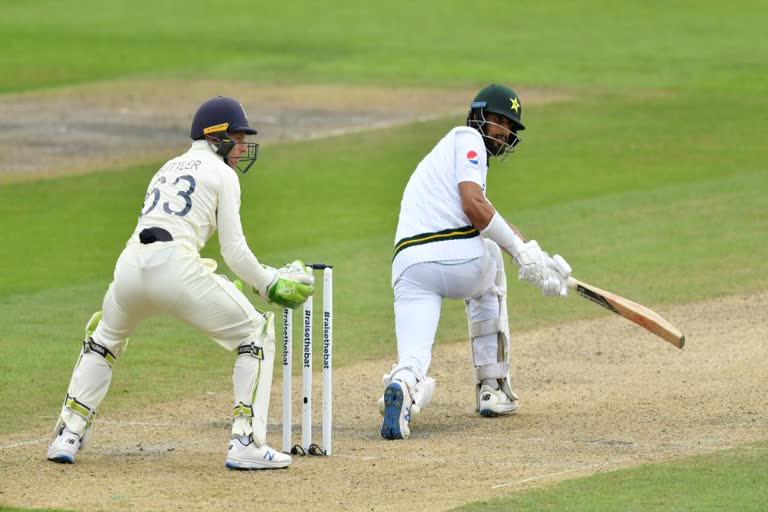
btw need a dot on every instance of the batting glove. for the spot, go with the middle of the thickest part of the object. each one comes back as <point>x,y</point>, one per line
<point>532,262</point>
<point>558,271</point>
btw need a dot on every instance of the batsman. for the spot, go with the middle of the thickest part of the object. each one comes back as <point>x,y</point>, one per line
<point>449,244</point>
<point>160,271</point>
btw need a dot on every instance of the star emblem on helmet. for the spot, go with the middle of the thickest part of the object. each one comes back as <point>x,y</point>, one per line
<point>515,104</point>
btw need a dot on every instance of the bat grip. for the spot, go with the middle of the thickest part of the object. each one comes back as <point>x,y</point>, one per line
<point>573,283</point>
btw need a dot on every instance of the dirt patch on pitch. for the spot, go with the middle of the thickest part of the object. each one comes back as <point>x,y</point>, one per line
<point>112,124</point>
<point>596,395</point>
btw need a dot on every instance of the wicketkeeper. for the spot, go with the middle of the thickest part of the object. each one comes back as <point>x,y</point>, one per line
<point>161,271</point>
<point>448,245</point>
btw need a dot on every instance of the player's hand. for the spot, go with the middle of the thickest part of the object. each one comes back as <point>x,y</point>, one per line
<point>532,262</point>
<point>292,285</point>
<point>556,276</point>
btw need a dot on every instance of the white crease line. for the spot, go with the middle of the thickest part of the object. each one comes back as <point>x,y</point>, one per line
<point>139,423</point>
<point>558,474</point>
<point>109,422</point>
<point>22,443</point>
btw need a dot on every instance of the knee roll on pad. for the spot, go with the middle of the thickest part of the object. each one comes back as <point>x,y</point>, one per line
<point>91,346</point>
<point>109,351</point>
<point>251,349</point>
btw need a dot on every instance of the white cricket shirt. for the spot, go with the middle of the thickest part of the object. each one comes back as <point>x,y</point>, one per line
<point>193,194</point>
<point>432,224</point>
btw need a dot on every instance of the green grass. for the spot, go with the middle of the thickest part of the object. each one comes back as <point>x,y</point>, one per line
<point>727,480</point>
<point>640,217</point>
<point>651,182</point>
<point>588,43</point>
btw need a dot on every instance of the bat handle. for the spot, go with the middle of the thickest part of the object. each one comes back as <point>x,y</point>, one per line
<point>573,283</point>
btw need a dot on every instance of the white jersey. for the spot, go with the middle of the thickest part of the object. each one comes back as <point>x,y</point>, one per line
<point>432,224</point>
<point>193,194</point>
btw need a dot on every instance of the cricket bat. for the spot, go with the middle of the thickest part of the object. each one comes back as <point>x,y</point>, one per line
<point>633,311</point>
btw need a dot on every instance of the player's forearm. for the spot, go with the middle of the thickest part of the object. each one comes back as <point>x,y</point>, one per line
<point>234,248</point>
<point>479,212</point>
<point>501,232</point>
<point>246,266</point>
<point>476,207</point>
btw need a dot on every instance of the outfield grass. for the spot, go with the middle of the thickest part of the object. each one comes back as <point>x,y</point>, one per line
<point>652,181</point>
<point>656,43</point>
<point>640,204</point>
<point>726,480</point>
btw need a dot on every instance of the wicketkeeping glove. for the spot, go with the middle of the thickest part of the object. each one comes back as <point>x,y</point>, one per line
<point>291,286</point>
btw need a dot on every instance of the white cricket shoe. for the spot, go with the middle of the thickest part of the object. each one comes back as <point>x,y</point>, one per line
<point>397,409</point>
<point>250,456</point>
<point>494,402</point>
<point>64,447</point>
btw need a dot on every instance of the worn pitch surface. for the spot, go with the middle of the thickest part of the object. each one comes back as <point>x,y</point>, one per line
<point>596,395</point>
<point>111,124</point>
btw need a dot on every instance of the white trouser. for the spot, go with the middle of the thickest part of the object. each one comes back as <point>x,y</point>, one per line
<point>419,294</point>
<point>170,278</point>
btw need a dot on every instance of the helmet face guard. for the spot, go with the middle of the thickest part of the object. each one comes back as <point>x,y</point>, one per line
<point>493,145</point>
<point>502,101</point>
<point>222,143</point>
<point>215,120</point>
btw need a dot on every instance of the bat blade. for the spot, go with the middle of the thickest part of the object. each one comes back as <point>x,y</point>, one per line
<point>630,310</point>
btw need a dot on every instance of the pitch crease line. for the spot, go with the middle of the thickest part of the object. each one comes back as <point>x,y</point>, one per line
<point>109,422</point>
<point>22,443</point>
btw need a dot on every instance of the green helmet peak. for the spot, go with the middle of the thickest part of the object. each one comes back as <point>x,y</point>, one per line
<point>500,100</point>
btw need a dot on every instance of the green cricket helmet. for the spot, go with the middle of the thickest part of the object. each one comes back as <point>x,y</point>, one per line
<point>501,100</point>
